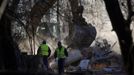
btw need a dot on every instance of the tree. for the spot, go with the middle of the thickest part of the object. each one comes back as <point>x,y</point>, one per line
<point>122,29</point>
<point>37,12</point>
<point>7,45</point>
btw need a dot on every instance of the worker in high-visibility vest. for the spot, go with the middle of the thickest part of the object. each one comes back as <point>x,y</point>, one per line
<point>44,51</point>
<point>60,53</point>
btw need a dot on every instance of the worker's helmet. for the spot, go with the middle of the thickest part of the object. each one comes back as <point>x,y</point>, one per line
<point>44,42</point>
<point>59,43</point>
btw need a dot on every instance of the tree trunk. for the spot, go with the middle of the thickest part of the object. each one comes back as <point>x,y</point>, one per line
<point>8,47</point>
<point>37,12</point>
<point>122,29</point>
<point>74,6</point>
<point>6,44</point>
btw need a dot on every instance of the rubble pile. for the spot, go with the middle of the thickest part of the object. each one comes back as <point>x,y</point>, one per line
<point>100,58</point>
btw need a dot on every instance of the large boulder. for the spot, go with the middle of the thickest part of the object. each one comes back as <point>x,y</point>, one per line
<point>83,36</point>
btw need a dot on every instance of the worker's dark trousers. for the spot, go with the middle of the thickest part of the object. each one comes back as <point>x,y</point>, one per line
<point>61,65</point>
<point>45,61</point>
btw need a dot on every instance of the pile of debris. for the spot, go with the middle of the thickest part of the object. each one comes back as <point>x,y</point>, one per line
<point>97,59</point>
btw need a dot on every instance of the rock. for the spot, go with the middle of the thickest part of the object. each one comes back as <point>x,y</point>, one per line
<point>83,36</point>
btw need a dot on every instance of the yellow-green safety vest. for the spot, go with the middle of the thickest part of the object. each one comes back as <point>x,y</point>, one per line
<point>44,50</point>
<point>60,53</point>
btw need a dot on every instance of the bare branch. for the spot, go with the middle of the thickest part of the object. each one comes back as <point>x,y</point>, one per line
<point>39,10</point>
<point>13,15</point>
<point>3,6</point>
<point>130,11</point>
